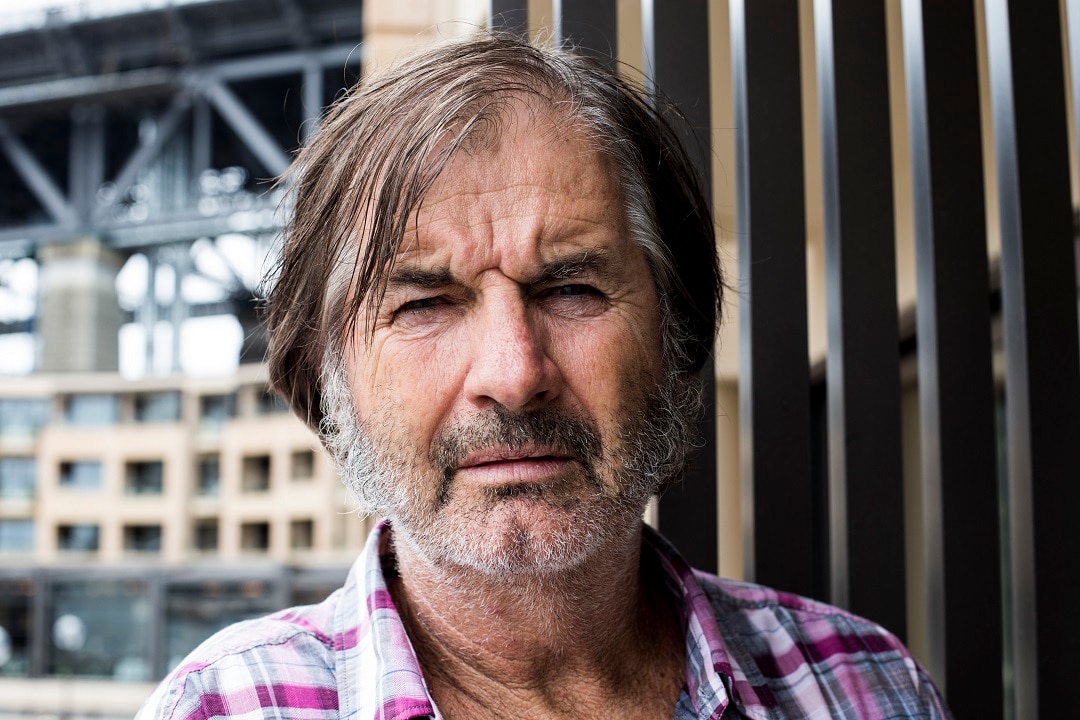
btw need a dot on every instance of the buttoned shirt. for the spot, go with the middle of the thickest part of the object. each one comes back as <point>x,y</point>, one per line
<point>750,652</point>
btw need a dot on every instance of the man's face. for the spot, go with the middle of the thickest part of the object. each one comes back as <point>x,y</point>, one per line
<point>514,361</point>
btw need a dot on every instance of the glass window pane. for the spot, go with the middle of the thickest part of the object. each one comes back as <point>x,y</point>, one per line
<point>100,628</point>
<point>78,538</point>
<point>157,407</point>
<point>16,597</point>
<point>17,477</point>
<point>92,409</point>
<point>142,538</point>
<point>22,417</point>
<point>144,478</point>
<point>209,473</point>
<point>214,410</point>
<point>196,610</point>
<point>81,474</point>
<point>16,535</point>
<point>255,473</point>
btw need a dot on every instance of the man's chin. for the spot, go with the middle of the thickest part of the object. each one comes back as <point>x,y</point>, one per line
<point>520,535</point>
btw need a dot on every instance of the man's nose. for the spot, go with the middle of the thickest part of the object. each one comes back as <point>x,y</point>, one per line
<point>511,360</point>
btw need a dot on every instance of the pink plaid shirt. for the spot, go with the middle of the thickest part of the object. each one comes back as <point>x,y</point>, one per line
<point>750,652</point>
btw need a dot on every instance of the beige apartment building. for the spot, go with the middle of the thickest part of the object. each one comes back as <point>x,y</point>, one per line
<point>167,470</point>
<point>138,516</point>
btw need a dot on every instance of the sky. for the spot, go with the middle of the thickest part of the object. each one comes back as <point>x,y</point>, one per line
<point>19,14</point>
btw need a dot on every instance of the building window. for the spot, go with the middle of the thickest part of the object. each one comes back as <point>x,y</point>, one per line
<point>209,475</point>
<point>81,475</point>
<point>255,536</point>
<point>16,603</point>
<point>100,628</point>
<point>268,402</point>
<point>157,407</point>
<point>22,417</point>
<point>255,473</point>
<point>215,410</point>
<point>17,478</point>
<point>78,538</point>
<point>92,409</point>
<point>303,465</point>
<point>194,610</point>
<point>205,535</point>
<point>16,536</point>
<point>144,478</point>
<point>142,538</point>
<point>302,534</point>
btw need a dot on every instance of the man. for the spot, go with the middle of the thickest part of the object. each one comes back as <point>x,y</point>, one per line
<point>496,291</point>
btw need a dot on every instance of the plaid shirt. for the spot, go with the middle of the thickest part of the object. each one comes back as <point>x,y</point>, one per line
<point>750,652</point>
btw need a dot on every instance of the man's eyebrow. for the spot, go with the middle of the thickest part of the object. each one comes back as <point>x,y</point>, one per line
<point>595,262</point>
<point>418,278</point>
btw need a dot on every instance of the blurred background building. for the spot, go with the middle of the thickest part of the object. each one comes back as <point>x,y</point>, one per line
<point>152,490</point>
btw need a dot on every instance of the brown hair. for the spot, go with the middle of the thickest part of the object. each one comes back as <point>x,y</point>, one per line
<point>380,148</point>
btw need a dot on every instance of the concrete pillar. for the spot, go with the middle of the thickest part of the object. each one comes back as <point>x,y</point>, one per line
<point>79,314</point>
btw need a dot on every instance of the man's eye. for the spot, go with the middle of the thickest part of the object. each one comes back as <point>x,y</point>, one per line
<point>573,290</point>
<point>420,304</point>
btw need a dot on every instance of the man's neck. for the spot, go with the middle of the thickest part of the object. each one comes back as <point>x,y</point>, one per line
<point>602,640</point>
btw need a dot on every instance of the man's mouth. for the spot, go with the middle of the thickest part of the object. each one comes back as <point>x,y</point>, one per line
<point>501,466</point>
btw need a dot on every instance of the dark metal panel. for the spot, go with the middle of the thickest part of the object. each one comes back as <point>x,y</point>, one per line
<point>774,375</point>
<point>590,26</point>
<point>510,16</point>
<point>35,176</point>
<point>247,127</point>
<point>86,164</point>
<point>1042,360</point>
<point>866,485</point>
<point>677,54</point>
<point>956,384</point>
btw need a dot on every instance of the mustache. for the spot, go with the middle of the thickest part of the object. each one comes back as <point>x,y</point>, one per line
<point>563,431</point>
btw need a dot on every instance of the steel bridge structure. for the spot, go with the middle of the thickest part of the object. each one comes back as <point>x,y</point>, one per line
<point>155,132</point>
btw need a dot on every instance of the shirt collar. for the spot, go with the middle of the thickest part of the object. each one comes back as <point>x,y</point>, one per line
<point>379,676</point>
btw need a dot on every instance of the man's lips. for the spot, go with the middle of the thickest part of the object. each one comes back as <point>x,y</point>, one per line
<point>504,466</point>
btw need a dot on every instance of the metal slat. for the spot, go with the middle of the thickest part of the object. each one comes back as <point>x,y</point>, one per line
<point>1042,360</point>
<point>677,52</point>
<point>590,26</point>
<point>774,376</point>
<point>510,16</point>
<point>866,485</point>
<point>956,384</point>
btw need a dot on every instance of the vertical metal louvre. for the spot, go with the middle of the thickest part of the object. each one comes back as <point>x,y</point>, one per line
<point>956,385</point>
<point>589,26</point>
<point>774,373</point>
<point>677,59</point>
<point>510,16</point>
<point>1042,367</point>
<point>863,377</point>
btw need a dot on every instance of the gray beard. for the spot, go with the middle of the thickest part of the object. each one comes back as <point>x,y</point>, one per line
<point>654,440</point>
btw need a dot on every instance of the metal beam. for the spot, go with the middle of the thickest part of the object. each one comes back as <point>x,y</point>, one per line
<point>774,373</point>
<point>589,26</point>
<point>511,16</point>
<point>956,383</point>
<point>677,53</point>
<point>863,366</point>
<point>167,79</point>
<point>86,158</point>
<point>1042,347</point>
<point>247,127</point>
<point>283,63</point>
<point>147,151</point>
<point>35,176</point>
